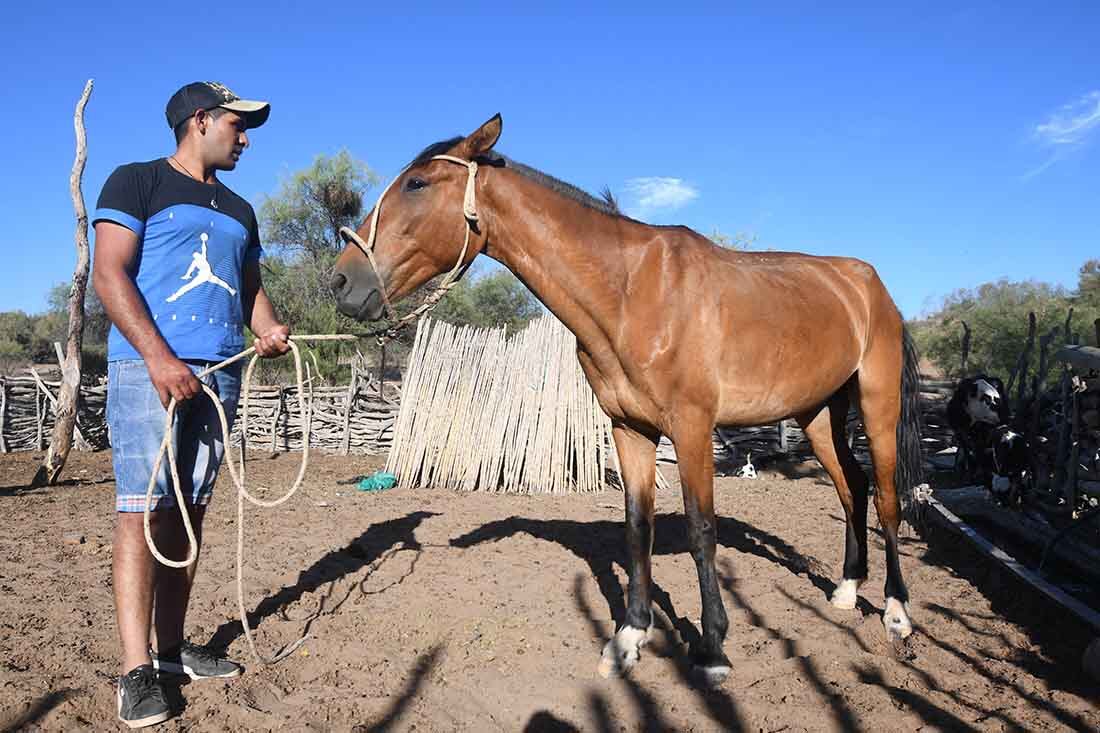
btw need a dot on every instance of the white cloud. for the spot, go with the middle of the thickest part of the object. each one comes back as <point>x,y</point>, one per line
<point>656,193</point>
<point>1072,123</point>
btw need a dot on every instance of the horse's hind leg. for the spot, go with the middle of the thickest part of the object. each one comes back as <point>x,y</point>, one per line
<point>880,406</point>
<point>695,456</point>
<point>826,432</point>
<point>637,458</point>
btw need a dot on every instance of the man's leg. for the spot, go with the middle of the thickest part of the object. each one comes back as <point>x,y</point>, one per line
<point>201,449</point>
<point>134,413</point>
<point>173,585</point>
<point>133,572</point>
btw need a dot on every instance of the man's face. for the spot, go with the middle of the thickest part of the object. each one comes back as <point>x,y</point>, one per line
<point>225,139</point>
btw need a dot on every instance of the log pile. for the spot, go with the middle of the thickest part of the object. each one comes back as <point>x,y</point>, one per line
<point>28,405</point>
<point>27,414</point>
<point>353,418</point>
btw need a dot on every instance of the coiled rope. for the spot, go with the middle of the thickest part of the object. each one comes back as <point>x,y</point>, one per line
<point>167,446</point>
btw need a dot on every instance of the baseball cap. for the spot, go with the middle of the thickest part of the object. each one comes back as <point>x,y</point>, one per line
<point>209,94</point>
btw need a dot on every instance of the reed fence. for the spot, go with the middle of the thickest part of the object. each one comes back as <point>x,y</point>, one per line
<point>481,411</point>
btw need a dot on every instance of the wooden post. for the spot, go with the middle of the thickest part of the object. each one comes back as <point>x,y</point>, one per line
<point>3,413</point>
<point>38,443</point>
<point>1022,365</point>
<point>61,441</point>
<point>345,442</point>
<point>782,428</point>
<point>1069,491</point>
<point>47,396</point>
<point>382,372</point>
<point>81,443</point>
<point>275,420</point>
<point>1096,331</point>
<point>1061,457</point>
<point>965,349</point>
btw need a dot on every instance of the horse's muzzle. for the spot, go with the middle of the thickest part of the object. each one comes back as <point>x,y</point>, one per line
<point>360,299</point>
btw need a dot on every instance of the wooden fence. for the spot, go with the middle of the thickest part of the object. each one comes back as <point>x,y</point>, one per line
<point>27,405</point>
<point>352,418</point>
<point>357,419</point>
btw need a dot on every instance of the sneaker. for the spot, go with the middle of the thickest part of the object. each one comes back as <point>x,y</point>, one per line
<point>197,662</point>
<point>141,698</point>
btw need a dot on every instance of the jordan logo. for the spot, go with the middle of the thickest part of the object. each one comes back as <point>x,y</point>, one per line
<point>205,274</point>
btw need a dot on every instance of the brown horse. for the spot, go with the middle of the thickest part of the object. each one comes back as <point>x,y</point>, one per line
<point>676,336</point>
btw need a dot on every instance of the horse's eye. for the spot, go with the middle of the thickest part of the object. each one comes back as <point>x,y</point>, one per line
<point>415,184</point>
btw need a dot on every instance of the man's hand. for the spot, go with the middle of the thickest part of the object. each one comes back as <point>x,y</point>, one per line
<point>172,379</point>
<point>274,342</point>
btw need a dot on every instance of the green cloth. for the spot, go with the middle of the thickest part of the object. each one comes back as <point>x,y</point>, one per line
<point>377,481</point>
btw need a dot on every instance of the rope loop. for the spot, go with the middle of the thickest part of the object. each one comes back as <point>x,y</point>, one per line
<point>167,447</point>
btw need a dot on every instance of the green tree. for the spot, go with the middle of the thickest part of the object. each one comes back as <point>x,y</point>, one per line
<point>96,323</point>
<point>16,333</point>
<point>306,213</point>
<point>300,226</point>
<point>997,314</point>
<point>494,300</point>
<point>1088,284</point>
<point>740,240</point>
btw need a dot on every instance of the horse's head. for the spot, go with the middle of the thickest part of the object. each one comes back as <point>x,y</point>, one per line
<point>421,223</point>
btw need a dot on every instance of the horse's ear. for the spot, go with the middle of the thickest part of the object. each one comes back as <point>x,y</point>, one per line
<point>483,138</point>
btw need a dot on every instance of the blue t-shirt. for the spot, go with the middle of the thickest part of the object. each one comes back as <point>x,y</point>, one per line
<point>194,240</point>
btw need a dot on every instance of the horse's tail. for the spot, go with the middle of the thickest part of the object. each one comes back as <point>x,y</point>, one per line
<point>909,469</point>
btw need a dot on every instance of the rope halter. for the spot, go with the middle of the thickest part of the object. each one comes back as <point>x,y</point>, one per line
<point>469,213</point>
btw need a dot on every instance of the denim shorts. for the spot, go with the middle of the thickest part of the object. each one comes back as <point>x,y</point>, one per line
<point>135,419</point>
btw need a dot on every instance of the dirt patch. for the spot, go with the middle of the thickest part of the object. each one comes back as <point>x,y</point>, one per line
<point>437,611</point>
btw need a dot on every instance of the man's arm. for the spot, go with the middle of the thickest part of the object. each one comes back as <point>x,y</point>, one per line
<point>116,249</point>
<point>259,313</point>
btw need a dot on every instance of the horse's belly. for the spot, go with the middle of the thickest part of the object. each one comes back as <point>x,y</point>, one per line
<point>764,397</point>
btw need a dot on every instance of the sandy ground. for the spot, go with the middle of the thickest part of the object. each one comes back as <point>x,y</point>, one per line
<point>435,611</point>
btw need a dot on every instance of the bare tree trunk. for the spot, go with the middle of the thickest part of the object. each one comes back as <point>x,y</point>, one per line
<point>61,442</point>
<point>1020,371</point>
<point>965,349</point>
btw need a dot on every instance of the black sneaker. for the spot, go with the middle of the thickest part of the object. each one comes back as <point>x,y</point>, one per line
<point>197,662</point>
<point>141,698</point>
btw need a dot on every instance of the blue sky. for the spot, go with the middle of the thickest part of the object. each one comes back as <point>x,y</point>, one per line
<point>947,144</point>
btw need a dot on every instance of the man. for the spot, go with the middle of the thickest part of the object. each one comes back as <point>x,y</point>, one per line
<point>176,266</point>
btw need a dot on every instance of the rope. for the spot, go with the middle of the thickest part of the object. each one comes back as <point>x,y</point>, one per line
<point>469,213</point>
<point>167,446</point>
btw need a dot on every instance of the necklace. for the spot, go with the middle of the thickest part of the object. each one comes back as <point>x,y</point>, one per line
<point>214,198</point>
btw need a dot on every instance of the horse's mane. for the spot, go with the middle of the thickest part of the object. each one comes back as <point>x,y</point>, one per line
<point>607,204</point>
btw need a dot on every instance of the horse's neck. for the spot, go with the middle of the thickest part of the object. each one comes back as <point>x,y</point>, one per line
<point>568,254</point>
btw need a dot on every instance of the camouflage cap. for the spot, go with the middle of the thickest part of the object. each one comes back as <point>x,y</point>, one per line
<point>208,95</point>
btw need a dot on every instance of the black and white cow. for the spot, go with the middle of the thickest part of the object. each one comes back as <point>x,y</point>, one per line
<point>1006,465</point>
<point>977,401</point>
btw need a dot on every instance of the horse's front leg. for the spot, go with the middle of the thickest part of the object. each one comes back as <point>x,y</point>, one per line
<point>637,458</point>
<point>695,456</point>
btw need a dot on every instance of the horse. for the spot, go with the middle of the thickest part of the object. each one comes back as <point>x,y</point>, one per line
<point>676,336</point>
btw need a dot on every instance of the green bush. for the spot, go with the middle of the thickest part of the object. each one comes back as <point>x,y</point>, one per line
<point>997,314</point>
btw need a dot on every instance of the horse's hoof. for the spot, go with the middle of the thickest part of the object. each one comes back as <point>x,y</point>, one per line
<point>896,620</point>
<point>846,594</point>
<point>711,675</point>
<point>622,652</point>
